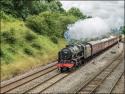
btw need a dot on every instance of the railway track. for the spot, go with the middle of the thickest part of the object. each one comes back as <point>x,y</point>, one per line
<point>113,87</point>
<point>45,85</point>
<point>50,82</point>
<point>41,87</point>
<point>93,83</point>
<point>7,88</point>
<point>35,89</point>
<point>10,86</point>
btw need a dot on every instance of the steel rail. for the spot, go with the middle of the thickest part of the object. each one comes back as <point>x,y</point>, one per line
<point>116,83</point>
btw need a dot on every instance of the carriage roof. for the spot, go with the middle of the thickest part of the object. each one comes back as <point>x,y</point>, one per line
<point>100,41</point>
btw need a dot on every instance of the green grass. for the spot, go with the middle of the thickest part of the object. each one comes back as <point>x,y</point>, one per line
<point>22,49</point>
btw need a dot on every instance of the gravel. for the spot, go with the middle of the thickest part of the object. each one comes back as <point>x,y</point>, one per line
<point>110,81</point>
<point>119,88</point>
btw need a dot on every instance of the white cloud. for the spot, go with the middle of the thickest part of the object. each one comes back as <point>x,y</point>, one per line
<point>111,11</point>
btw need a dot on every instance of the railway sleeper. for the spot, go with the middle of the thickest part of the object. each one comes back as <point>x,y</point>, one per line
<point>88,90</point>
<point>103,75</point>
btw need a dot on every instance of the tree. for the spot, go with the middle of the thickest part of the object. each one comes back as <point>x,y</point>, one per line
<point>24,8</point>
<point>76,12</point>
<point>123,30</point>
<point>17,8</point>
<point>50,24</point>
<point>38,7</point>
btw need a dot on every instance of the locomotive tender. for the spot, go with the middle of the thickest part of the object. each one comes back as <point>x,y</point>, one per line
<point>73,55</point>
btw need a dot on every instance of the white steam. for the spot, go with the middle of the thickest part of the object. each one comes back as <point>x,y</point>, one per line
<point>87,29</point>
<point>111,15</point>
<point>110,11</point>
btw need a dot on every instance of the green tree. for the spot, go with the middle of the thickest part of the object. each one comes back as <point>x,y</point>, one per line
<point>17,8</point>
<point>123,30</point>
<point>24,8</point>
<point>76,12</point>
<point>56,6</point>
<point>50,24</point>
<point>38,7</point>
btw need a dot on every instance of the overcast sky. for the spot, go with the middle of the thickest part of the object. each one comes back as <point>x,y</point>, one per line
<point>111,11</point>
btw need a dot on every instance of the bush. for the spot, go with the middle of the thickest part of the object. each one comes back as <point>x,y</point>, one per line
<point>28,51</point>
<point>37,24</point>
<point>29,36</point>
<point>37,45</point>
<point>1,53</point>
<point>6,17</point>
<point>8,37</point>
<point>8,57</point>
<point>12,50</point>
<point>54,39</point>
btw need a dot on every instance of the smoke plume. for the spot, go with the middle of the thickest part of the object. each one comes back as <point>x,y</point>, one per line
<point>87,29</point>
<point>111,15</point>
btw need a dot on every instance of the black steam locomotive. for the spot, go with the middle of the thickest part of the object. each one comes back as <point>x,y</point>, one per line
<point>73,55</point>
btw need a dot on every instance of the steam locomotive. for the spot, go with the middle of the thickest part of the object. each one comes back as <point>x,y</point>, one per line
<point>73,55</point>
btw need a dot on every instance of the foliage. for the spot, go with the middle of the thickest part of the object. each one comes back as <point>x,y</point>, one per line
<point>48,23</point>
<point>123,29</point>
<point>54,39</point>
<point>24,8</point>
<point>20,41</point>
<point>37,7</point>
<point>76,12</point>
<point>30,36</point>
<point>17,8</point>
<point>36,45</point>
<point>28,51</point>
<point>8,37</point>
<point>50,20</point>
<point>6,17</point>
